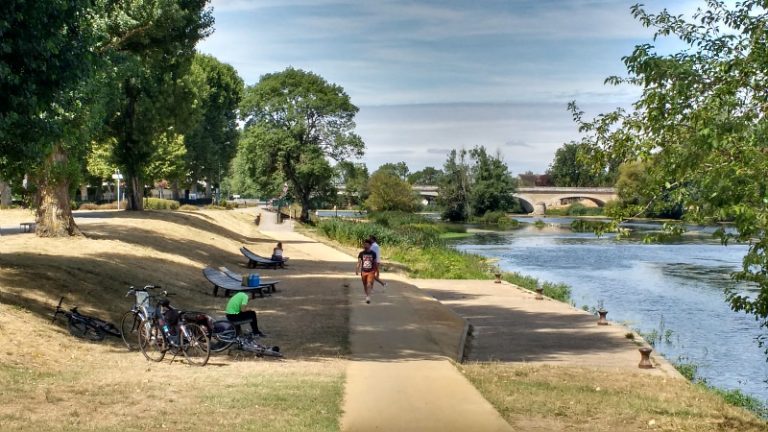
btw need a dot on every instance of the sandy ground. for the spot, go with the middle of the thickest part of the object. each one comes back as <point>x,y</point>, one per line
<point>510,325</point>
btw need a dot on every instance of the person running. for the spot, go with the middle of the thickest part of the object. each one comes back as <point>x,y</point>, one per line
<point>236,312</point>
<point>377,250</point>
<point>366,268</point>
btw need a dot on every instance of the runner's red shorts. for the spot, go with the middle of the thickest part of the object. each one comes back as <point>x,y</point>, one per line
<point>368,277</point>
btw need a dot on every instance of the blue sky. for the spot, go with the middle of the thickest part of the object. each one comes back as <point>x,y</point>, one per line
<point>430,76</point>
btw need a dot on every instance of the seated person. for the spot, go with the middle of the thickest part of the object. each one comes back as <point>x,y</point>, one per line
<point>277,253</point>
<point>236,312</point>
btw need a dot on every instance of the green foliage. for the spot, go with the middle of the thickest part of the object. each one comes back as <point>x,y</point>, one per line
<point>740,399</point>
<point>538,223</point>
<point>399,169</point>
<point>700,127</point>
<point>581,225</point>
<point>388,192</point>
<point>295,122</point>
<point>492,184</point>
<point>354,177</point>
<point>498,218</point>
<point>454,187</point>
<point>429,176</point>
<point>168,161</point>
<point>556,291</point>
<point>212,142</point>
<point>188,207</point>
<point>160,204</point>
<point>578,209</point>
<point>686,369</point>
<point>573,168</point>
<point>633,188</point>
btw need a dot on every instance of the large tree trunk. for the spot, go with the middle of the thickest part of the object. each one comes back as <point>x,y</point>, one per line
<point>54,213</point>
<point>208,189</point>
<point>134,193</point>
<point>175,190</point>
<point>5,194</point>
<point>304,217</point>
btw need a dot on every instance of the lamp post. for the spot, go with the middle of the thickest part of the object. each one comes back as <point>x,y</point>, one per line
<point>117,176</point>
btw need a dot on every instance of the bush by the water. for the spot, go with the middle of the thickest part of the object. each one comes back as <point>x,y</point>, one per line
<point>576,209</point>
<point>499,218</point>
<point>161,204</point>
<point>581,225</point>
<point>557,291</point>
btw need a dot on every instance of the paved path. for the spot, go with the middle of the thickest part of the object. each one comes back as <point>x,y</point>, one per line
<point>509,324</point>
<point>400,377</point>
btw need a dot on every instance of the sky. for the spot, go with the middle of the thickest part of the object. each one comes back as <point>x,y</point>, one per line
<point>431,76</point>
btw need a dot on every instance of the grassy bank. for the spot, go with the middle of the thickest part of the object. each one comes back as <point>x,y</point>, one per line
<point>541,397</point>
<point>54,382</point>
<point>419,245</point>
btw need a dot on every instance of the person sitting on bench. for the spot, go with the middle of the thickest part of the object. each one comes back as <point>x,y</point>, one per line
<point>236,312</point>
<point>277,253</point>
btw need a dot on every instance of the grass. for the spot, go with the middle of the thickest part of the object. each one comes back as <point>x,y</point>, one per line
<point>52,381</point>
<point>542,397</point>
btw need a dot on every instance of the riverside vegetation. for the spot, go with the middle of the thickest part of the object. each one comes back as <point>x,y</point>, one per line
<point>419,244</point>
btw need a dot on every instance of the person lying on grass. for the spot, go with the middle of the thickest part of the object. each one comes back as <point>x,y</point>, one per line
<point>236,312</point>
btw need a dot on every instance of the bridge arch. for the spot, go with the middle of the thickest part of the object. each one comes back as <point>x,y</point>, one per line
<point>562,199</point>
<point>527,204</point>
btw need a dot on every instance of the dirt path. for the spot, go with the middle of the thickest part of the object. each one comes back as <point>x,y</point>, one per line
<point>400,377</point>
<point>510,325</point>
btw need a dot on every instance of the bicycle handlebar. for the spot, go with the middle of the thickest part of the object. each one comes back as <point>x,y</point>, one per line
<point>133,290</point>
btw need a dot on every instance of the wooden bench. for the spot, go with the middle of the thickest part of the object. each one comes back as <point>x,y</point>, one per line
<point>26,226</point>
<point>221,280</point>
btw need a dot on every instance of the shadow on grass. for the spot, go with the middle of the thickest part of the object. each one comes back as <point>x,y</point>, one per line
<point>305,321</point>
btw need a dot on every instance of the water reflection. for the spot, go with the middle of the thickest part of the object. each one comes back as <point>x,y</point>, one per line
<point>675,288</point>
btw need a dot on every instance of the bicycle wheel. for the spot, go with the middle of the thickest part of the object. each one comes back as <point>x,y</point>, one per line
<point>84,330</point>
<point>222,336</point>
<point>151,341</point>
<point>195,344</point>
<point>129,327</point>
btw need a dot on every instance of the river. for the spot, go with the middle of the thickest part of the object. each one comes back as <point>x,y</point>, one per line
<point>675,289</point>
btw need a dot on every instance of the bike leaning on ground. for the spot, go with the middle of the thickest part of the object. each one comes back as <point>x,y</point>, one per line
<point>156,337</point>
<point>226,335</point>
<point>84,326</point>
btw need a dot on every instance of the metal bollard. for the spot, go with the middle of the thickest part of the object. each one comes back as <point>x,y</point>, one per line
<point>645,358</point>
<point>539,293</point>
<point>602,320</point>
<point>498,278</point>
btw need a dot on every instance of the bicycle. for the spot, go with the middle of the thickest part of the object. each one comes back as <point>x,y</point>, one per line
<point>83,326</point>
<point>225,334</point>
<point>129,324</point>
<point>155,339</point>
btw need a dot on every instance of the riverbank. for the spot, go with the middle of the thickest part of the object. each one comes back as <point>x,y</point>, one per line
<point>561,374</point>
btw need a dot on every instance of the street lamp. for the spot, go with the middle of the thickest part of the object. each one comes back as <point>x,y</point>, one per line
<point>117,176</point>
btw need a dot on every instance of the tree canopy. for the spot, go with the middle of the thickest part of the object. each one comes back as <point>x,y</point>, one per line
<point>389,192</point>
<point>399,169</point>
<point>298,121</point>
<point>700,126</point>
<point>573,168</point>
<point>429,176</point>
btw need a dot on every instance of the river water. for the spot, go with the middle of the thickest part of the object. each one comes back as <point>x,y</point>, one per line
<point>675,289</point>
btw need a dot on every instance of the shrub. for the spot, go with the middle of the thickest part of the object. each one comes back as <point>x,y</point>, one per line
<point>539,224</point>
<point>160,204</point>
<point>88,206</point>
<point>581,225</point>
<point>188,207</point>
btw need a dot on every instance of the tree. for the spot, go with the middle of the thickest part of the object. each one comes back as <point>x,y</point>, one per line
<point>429,176</point>
<point>700,126</point>
<point>492,184</point>
<point>634,187</point>
<point>354,178</point>
<point>301,121</point>
<point>168,162</point>
<point>154,94</point>
<point>399,169</point>
<point>212,142</point>
<point>389,192</point>
<point>572,168</point>
<point>48,83</point>
<point>454,188</point>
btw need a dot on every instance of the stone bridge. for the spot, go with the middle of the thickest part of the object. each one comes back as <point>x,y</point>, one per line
<point>537,199</point>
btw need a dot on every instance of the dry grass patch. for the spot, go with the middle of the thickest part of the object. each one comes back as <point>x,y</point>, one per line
<point>550,398</point>
<point>54,382</point>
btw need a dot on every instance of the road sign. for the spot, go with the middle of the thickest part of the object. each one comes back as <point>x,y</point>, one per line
<point>117,176</point>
